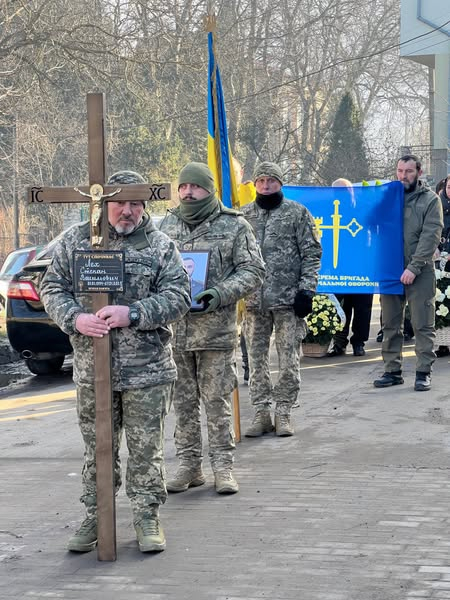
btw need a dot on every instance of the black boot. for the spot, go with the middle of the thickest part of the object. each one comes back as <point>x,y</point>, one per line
<point>423,382</point>
<point>358,350</point>
<point>388,379</point>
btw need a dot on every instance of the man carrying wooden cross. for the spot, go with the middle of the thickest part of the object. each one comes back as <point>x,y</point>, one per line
<point>156,293</point>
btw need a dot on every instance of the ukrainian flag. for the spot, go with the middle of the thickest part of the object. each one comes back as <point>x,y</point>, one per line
<point>219,153</point>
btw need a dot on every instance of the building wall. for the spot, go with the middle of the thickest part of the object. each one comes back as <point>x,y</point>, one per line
<point>424,44</point>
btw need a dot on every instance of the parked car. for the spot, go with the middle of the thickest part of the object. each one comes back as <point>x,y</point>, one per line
<point>12,264</point>
<point>31,332</point>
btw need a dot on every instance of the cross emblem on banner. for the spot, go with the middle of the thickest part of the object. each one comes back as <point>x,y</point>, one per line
<point>353,227</point>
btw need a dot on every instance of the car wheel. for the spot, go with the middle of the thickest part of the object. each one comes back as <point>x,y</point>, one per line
<point>48,366</point>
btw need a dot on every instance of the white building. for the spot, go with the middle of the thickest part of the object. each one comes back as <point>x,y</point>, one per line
<point>425,38</point>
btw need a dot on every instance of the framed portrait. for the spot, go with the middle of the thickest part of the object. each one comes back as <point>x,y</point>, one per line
<point>196,263</point>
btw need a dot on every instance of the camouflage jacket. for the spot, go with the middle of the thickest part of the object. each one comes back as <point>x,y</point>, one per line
<point>155,282</point>
<point>235,269</point>
<point>290,249</point>
<point>422,228</point>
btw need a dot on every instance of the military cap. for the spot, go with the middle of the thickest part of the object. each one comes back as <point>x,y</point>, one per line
<point>126,177</point>
<point>268,169</point>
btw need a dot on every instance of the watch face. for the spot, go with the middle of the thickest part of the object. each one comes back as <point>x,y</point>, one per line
<point>134,315</point>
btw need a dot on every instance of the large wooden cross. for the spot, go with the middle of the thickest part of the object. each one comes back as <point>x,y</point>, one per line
<point>97,193</point>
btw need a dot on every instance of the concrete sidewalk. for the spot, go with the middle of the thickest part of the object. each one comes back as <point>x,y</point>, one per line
<point>354,507</point>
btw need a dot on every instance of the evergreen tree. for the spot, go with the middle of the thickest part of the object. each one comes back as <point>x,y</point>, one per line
<point>346,156</point>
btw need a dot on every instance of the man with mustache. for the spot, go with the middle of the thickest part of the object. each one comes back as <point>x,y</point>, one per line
<point>422,227</point>
<point>205,339</point>
<point>156,293</point>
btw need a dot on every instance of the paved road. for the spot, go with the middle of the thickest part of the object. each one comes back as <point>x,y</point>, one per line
<point>354,507</point>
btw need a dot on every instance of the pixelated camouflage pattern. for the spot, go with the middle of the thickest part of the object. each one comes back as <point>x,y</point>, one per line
<point>126,177</point>
<point>289,331</point>
<point>209,376</point>
<point>140,413</point>
<point>291,251</point>
<point>155,281</point>
<point>235,270</point>
<point>268,169</point>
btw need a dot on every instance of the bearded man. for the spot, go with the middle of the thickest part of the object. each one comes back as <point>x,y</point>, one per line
<point>422,228</point>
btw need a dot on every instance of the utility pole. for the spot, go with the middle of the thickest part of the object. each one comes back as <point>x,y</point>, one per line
<point>16,185</point>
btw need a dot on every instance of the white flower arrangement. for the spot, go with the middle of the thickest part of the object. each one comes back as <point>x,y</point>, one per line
<point>442,299</point>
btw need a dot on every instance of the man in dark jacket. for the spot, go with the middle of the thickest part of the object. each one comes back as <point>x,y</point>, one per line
<point>143,371</point>
<point>422,228</point>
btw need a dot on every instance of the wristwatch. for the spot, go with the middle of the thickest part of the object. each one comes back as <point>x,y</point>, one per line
<point>134,315</point>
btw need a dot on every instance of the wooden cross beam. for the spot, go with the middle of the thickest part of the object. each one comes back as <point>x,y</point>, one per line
<point>97,194</point>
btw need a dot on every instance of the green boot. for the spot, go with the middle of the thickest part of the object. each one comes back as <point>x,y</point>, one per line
<point>150,534</point>
<point>85,539</point>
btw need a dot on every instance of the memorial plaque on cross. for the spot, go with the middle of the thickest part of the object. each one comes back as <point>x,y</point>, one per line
<point>97,193</point>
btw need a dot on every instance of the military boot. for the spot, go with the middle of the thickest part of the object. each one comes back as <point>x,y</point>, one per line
<point>85,539</point>
<point>262,423</point>
<point>389,379</point>
<point>225,483</point>
<point>185,478</point>
<point>283,426</point>
<point>149,533</point>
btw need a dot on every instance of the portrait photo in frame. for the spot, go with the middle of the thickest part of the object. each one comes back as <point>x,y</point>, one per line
<point>196,263</point>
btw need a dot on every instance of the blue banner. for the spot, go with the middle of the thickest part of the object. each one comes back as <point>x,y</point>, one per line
<point>361,231</point>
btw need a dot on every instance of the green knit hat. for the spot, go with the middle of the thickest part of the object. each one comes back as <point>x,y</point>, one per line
<point>198,173</point>
<point>268,169</point>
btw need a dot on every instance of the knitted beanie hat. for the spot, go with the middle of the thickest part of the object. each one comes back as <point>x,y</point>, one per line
<point>268,169</point>
<point>198,173</point>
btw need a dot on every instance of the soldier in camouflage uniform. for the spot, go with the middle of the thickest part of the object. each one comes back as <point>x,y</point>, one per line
<point>204,341</point>
<point>291,251</point>
<point>143,371</point>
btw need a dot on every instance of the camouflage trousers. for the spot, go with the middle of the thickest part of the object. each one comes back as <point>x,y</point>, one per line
<point>289,329</point>
<point>140,413</point>
<point>208,376</point>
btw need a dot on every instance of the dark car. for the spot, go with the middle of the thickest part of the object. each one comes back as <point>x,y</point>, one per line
<point>12,264</point>
<point>30,330</point>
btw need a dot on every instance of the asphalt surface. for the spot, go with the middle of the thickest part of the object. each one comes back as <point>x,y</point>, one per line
<point>355,506</point>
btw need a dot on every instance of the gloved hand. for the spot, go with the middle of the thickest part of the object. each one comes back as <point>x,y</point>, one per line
<point>303,303</point>
<point>210,299</point>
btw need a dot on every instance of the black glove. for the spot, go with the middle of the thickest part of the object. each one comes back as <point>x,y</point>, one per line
<point>303,303</point>
<point>210,299</point>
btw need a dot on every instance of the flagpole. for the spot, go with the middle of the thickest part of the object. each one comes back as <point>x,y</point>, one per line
<point>210,27</point>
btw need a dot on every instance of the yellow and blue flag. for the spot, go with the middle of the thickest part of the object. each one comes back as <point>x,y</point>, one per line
<point>219,153</point>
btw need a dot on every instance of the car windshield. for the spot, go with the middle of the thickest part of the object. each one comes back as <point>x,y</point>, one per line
<point>16,260</point>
